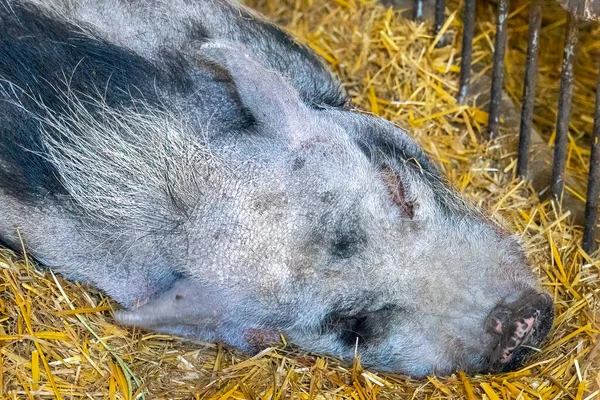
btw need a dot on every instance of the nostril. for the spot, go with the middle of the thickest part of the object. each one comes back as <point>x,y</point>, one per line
<point>497,320</point>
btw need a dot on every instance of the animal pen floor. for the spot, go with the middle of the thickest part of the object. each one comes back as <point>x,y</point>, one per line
<point>58,340</point>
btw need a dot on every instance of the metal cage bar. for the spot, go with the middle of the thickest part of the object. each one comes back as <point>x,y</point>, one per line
<point>440,18</point>
<point>564,108</point>
<point>593,191</point>
<point>498,68</point>
<point>467,50</point>
<point>529,86</point>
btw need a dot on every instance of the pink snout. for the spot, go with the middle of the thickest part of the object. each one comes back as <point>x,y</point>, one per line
<point>516,327</point>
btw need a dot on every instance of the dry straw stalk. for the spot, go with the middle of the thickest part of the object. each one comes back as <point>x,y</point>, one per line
<point>58,339</point>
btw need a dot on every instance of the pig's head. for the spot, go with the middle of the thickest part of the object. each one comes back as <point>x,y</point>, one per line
<point>335,229</point>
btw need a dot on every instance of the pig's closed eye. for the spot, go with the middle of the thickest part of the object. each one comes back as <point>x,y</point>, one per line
<point>362,327</point>
<point>346,246</point>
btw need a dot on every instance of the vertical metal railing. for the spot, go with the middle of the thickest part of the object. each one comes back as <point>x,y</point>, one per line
<point>593,191</point>
<point>576,10</point>
<point>467,50</point>
<point>529,86</point>
<point>440,18</point>
<point>564,108</point>
<point>498,68</point>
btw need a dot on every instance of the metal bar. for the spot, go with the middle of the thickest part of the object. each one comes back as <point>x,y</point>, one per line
<point>535,22</point>
<point>467,50</point>
<point>440,18</point>
<point>564,109</point>
<point>593,191</point>
<point>498,69</point>
<point>418,10</point>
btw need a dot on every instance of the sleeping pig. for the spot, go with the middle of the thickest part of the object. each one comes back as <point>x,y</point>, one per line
<point>202,168</point>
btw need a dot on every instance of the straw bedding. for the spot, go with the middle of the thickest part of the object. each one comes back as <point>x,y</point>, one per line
<point>58,340</point>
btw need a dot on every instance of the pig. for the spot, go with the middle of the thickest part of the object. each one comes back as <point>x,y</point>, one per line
<point>205,170</point>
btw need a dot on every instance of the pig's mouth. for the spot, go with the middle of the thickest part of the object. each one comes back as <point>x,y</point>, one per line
<point>518,328</point>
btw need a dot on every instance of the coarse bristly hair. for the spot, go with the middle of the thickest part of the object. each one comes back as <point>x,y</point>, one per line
<point>143,170</point>
<point>139,168</point>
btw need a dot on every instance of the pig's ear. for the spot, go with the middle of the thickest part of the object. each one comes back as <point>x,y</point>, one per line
<point>402,163</point>
<point>188,308</point>
<point>269,97</point>
<point>398,190</point>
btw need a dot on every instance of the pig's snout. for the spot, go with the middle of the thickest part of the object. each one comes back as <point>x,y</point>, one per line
<point>516,327</point>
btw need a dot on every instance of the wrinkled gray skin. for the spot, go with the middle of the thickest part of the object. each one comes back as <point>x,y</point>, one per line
<point>313,220</point>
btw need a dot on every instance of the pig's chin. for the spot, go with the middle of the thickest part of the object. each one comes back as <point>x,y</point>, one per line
<point>445,363</point>
<point>416,368</point>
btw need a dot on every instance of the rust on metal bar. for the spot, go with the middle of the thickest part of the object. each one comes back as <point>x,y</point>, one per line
<point>498,68</point>
<point>535,23</point>
<point>593,191</point>
<point>440,18</point>
<point>467,50</point>
<point>564,108</point>
<point>588,10</point>
<point>418,10</point>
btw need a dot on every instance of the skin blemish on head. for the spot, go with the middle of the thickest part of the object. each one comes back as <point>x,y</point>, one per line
<point>328,197</point>
<point>307,144</point>
<point>298,164</point>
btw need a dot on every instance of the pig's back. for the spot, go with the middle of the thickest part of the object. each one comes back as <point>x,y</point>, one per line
<point>46,64</point>
<point>149,27</point>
